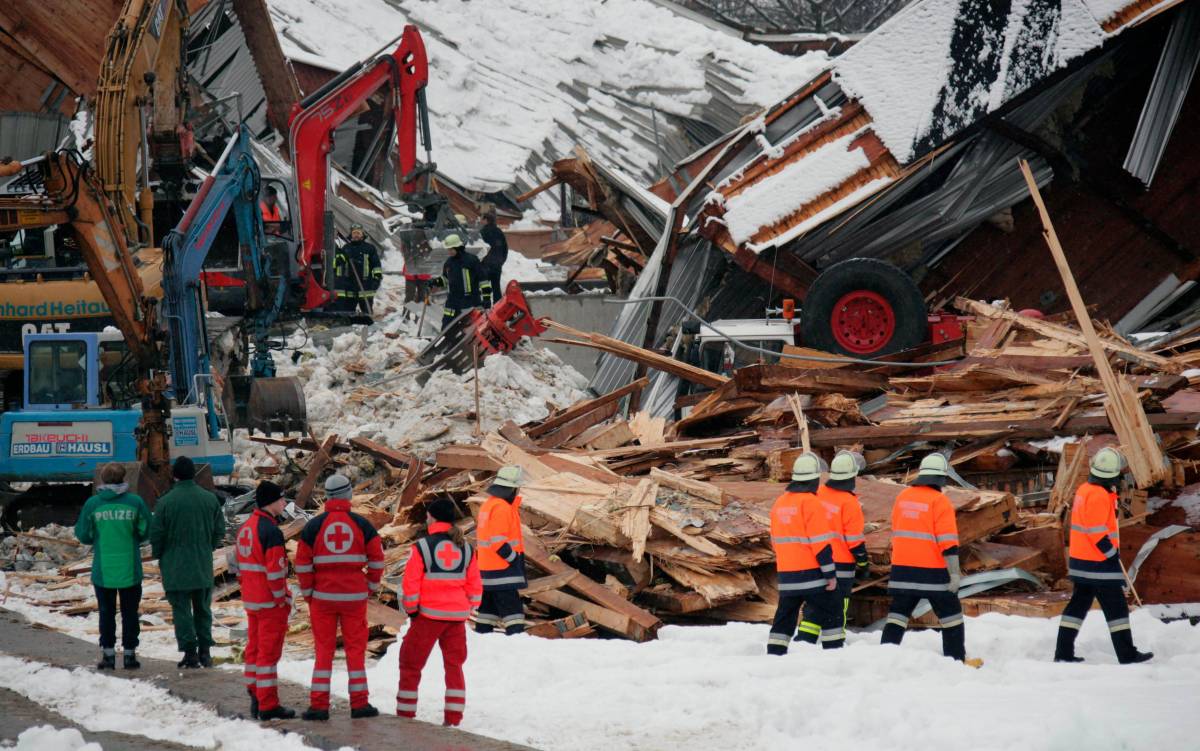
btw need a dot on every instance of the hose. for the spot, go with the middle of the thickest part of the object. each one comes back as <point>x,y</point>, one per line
<point>763,350</point>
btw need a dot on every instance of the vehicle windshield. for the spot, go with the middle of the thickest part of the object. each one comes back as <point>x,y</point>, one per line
<point>58,372</point>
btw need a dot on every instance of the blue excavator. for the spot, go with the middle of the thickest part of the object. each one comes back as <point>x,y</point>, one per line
<point>144,394</point>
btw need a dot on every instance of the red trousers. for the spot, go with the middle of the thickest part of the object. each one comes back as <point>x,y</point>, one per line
<point>325,617</point>
<point>423,633</point>
<point>265,630</point>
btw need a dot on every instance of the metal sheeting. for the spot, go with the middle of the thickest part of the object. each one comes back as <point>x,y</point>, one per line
<point>220,61</point>
<point>1168,90</point>
<point>27,134</point>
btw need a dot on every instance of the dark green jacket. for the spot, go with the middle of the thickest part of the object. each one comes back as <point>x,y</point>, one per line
<point>115,523</point>
<point>188,526</point>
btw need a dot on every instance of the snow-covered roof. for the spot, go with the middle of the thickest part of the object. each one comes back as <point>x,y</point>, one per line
<point>516,84</point>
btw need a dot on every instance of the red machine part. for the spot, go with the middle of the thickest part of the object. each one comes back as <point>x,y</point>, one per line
<point>945,327</point>
<point>499,328</point>
<point>313,121</point>
<point>863,321</point>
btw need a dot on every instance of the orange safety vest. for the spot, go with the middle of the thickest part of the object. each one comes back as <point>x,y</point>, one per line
<point>1095,540</point>
<point>924,532</point>
<point>845,516</point>
<point>801,537</point>
<point>270,213</point>
<point>501,544</point>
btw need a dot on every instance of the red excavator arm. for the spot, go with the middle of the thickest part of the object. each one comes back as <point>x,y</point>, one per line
<point>406,71</point>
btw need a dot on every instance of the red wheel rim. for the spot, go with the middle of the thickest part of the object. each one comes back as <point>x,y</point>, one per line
<point>863,322</point>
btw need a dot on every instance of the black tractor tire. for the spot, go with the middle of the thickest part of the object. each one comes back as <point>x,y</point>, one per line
<point>875,279</point>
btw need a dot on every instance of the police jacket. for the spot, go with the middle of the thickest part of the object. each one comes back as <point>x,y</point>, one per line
<point>441,580</point>
<point>262,563</point>
<point>340,556</point>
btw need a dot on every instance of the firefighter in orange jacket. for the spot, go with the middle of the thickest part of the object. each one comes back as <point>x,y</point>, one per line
<point>262,567</point>
<point>802,540</point>
<point>925,558</point>
<point>335,548</point>
<point>845,516</point>
<point>1095,562</point>
<point>441,588</point>
<point>501,555</point>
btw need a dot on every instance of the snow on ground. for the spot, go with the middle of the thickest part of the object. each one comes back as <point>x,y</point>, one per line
<point>713,687</point>
<point>100,702</point>
<point>524,269</point>
<point>50,738</point>
<point>517,83</point>
<point>1188,500</point>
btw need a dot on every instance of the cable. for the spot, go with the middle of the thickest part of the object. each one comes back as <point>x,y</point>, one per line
<point>763,350</point>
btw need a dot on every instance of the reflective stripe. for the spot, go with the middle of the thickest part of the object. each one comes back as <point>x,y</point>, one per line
<point>444,613</point>
<point>279,592</point>
<point>793,586</point>
<point>781,640</point>
<point>348,558</point>
<point>828,568</point>
<point>855,538</point>
<point>373,586</point>
<point>1120,624</point>
<point>412,598</point>
<point>361,686</point>
<point>1112,552</point>
<point>405,695</point>
<point>319,687</point>
<point>252,567</point>
<point>808,627</point>
<point>455,706</point>
<point>1089,530</point>
<point>487,619</point>
<point>271,575</point>
<point>505,580</point>
<point>833,634</point>
<point>947,538</point>
<point>405,706</point>
<point>920,586</point>
<point>451,576</point>
<point>510,620</point>
<point>267,669</point>
<point>258,605</point>
<point>249,679</point>
<point>339,596</point>
<point>494,540</point>
<point>897,619</point>
<point>377,564</point>
<point>845,574</point>
<point>952,621</point>
<point>1068,621</point>
<point>306,592</point>
<point>322,673</point>
<point>356,674</point>
<point>303,568</point>
<point>456,693</point>
<point>267,683</point>
<point>805,540</point>
<point>1095,575</point>
<point>914,535</point>
<point>512,556</point>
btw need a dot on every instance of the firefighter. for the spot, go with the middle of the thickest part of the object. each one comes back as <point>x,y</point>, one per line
<point>845,516</point>
<point>339,562</point>
<point>925,558</point>
<point>460,276</point>
<point>1095,563</point>
<point>357,273</point>
<point>441,588</point>
<point>262,567</point>
<point>501,555</point>
<point>801,538</point>
<point>493,262</point>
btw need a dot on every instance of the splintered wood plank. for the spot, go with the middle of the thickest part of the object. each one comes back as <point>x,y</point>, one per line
<point>707,491</point>
<point>319,461</point>
<point>467,457</point>
<point>636,522</point>
<point>716,587</point>
<point>571,627</point>
<point>547,583</point>
<point>649,430</point>
<point>666,521</point>
<point>597,614</point>
<point>584,407</point>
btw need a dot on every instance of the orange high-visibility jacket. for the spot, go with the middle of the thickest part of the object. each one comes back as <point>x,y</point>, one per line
<point>924,534</point>
<point>1095,541</point>
<point>845,516</point>
<point>801,537</point>
<point>501,545</point>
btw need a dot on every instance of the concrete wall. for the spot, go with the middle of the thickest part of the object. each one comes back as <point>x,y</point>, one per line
<point>583,312</point>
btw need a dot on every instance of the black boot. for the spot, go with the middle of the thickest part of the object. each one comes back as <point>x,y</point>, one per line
<point>205,656</point>
<point>315,715</point>
<point>131,660</point>
<point>253,706</point>
<point>108,660</point>
<point>189,659</point>
<point>1064,649</point>
<point>278,713</point>
<point>1137,657</point>
<point>364,711</point>
<point>1127,654</point>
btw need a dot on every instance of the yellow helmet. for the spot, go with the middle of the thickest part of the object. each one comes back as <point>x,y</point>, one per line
<point>806,467</point>
<point>452,241</point>
<point>1107,463</point>
<point>935,465</point>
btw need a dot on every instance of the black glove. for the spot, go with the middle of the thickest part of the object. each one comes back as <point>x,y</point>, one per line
<point>862,572</point>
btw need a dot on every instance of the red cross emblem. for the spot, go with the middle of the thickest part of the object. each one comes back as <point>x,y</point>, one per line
<point>338,537</point>
<point>447,555</point>
<point>245,542</point>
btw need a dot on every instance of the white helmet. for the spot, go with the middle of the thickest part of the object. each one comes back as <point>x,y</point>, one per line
<point>845,465</point>
<point>806,467</point>
<point>1107,463</point>
<point>935,465</point>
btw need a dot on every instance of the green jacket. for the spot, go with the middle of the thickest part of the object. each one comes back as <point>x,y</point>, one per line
<point>115,523</point>
<point>188,526</point>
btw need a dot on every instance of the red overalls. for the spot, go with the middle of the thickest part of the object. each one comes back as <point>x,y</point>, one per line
<point>441,587</point>
<point>262,574</point>
<point>334,549</point>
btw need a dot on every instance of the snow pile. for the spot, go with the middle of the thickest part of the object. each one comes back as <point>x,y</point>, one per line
<point>105,703</point>
<point>50,738</point>
<point>524,269</point>
<point>776,197</point>
<point>1188,500</point>
<point>713,687</point>
<point>971,59</point>
<point>515,84</point>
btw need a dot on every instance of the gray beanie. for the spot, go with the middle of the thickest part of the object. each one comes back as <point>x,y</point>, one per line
<point>337,486</point>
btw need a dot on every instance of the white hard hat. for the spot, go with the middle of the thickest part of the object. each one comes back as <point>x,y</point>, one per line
<point>509,476</point>
<point>845,465</point>
<point>452,241</point>
<point>935,465</point>
<point>1107,463</point>
<point>806,467</point>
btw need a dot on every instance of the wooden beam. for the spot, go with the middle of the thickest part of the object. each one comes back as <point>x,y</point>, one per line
<point>597,614</point>
<point>638,355</point>
<point>319,460</point>
<point>582,408</point>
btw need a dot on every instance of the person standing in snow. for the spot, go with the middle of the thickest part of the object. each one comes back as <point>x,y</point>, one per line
<point>1095,562</point>
<point>441,587</point>
<point>357,273</point>
<point>802,540</point>
<point>262,566</point>
<point>116,523</point>
<point>845,516</point>
<point>493,263</point>
<point>501,555</point>
<point>188,526</point>
<point>335,548</point>
<point>460,276</point>
<point>925,558</point>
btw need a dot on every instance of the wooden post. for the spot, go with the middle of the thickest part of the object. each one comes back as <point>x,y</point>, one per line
<point>475,361</point>
<point>1124,407</point>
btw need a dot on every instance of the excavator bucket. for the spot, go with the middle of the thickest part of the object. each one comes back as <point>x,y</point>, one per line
<point>269,405</point>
